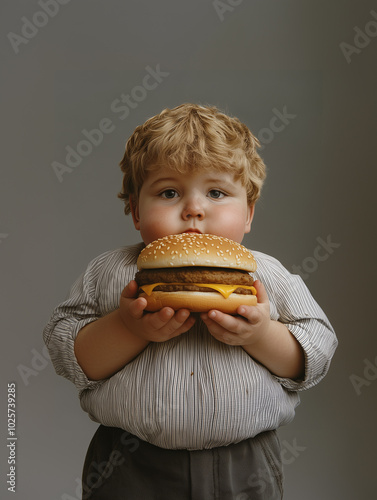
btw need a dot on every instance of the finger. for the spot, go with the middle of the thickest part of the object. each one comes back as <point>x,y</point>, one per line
<point>261,292</point>
<point>130,291</point>
<point>185,325</point>
<point>181,315</point>
<point>215,328</point>
<point>251,315</point>
<point>169,324</point>
<point>225,321</point>
<point>158,319</point>
<point>178,322</point>
<point>137,307</point>
<point>189,323</point>
<point>218,332</point>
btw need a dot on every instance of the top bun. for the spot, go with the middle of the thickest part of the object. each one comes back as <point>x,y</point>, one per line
<point>193,249</point>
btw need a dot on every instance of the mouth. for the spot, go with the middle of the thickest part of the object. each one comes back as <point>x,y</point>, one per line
<point>193,231</point>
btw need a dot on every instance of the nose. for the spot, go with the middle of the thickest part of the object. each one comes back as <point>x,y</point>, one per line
<point>193,208</point>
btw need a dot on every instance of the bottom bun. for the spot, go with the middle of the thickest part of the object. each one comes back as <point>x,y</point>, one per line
<point>198,301</point>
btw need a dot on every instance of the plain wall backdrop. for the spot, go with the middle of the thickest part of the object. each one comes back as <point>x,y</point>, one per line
<point>302,76</point>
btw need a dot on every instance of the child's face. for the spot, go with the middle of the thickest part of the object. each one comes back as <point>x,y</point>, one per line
<point>207,202</point>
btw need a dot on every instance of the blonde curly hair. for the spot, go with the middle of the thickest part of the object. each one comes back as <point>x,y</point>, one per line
<point>192,137</point>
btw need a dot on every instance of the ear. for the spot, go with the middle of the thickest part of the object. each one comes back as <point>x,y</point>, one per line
<point>249,218</point>
<point>134,211</point>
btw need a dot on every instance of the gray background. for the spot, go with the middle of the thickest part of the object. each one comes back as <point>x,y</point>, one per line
<point>250,60</point>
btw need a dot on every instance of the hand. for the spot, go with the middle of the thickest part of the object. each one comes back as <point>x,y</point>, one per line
<point>248,328</point>
<point>153,327</point>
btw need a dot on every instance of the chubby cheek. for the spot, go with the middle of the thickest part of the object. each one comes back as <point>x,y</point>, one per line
<point>155,225</point>
<point>231,224</point>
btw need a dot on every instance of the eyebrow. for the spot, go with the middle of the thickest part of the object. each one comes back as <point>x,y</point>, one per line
<point>163,180</point>
<point>216,179</point>
<point>221,182</point>
<point>210,180</point>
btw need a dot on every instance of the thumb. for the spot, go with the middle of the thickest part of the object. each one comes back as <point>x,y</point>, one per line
<point>129,301</point>
<point>261,292</point>
<point>130,291</point>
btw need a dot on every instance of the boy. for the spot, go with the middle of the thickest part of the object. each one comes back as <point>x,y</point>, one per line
<point>188,404</point>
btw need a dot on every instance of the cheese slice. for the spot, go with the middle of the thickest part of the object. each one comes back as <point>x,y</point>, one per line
<point>225,290</point>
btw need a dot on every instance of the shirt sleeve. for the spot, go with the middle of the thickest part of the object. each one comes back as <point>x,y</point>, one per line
<point>292,304</point>
<point>67,320</point>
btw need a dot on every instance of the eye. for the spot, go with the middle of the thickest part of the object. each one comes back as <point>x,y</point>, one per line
<point>169,194</point>
<point>216,194</point>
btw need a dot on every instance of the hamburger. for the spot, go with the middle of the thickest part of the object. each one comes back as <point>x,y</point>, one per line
<point>198,272</point>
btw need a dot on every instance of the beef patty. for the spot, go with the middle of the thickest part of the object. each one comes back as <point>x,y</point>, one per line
<point>189,275</point>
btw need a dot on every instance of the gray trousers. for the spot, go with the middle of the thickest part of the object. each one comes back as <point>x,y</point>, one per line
<point>120,466</point>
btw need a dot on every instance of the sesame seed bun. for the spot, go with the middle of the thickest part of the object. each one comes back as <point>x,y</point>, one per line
<point>192,249</point>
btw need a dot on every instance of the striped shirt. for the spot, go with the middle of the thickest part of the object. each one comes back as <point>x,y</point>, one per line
<point>192,391</point>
